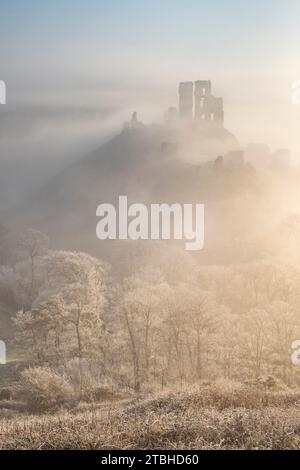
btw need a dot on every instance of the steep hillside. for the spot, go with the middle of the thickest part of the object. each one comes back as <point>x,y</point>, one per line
<point>147,163</point>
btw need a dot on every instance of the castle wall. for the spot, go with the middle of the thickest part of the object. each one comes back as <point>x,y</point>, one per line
<point>207,106</point>
<point>186,100</point>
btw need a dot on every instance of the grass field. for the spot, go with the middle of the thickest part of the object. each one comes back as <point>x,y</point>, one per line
<point>206,417</point>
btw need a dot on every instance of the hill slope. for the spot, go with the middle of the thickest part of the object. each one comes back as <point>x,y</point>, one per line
<point>147,163</point>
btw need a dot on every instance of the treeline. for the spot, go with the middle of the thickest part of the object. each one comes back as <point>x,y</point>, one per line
<point>168,321</point>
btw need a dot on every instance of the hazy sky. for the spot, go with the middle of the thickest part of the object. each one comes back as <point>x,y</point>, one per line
<point>133,53</point>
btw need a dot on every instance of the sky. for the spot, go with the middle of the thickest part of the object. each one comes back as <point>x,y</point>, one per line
<point>129,53</point>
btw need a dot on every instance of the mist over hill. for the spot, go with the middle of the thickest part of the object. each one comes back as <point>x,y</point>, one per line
<point>39,141</point>
<point>188,158</point>
<point>155,163</point>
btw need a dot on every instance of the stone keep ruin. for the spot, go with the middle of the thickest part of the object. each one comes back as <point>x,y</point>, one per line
<point>196,103</point>
<point>196,100</point>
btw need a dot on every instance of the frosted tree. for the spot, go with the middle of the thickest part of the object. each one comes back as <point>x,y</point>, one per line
<point>191,322</point>
<point>254,341</point>
<point>140,307</point>
<point>284,328</point>
<point>32,245</point>
<point>66,320</point>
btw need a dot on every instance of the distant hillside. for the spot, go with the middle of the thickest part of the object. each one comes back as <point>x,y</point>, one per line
<point>148,164</point>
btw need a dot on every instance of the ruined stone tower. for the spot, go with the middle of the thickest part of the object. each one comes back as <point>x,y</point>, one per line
<point>207,107</point>
<point>186,100</point>
<point>201,93</point>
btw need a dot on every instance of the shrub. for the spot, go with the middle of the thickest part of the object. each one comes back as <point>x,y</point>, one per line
<point>42,388</point>
<point>5,394</point>
<point>98,393</point>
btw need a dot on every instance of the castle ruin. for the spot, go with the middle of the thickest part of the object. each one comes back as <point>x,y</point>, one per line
<point>196,100</point>
<point>186,100</point>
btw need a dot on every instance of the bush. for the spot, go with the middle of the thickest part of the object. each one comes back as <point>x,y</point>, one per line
<point>5,393</point>
<point>98,393</point>
<point>42,388</point>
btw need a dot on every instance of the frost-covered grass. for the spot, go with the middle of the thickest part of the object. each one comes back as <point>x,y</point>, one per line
<point>206,417</point>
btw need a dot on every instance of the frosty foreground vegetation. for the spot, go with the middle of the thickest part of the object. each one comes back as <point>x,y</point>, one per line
<point>220,416</point>
<point>152,327</point>
<point>104,351</point>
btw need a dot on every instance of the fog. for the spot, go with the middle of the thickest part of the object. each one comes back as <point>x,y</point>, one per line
<point>39,141</point>
<point>42,132</point>
<point>135,342</point>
